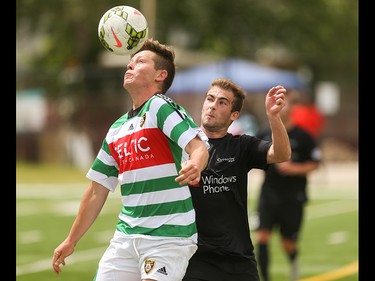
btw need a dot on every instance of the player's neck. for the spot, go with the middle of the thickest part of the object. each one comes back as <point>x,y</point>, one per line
<point>140,97</point>
<point>214,134</point>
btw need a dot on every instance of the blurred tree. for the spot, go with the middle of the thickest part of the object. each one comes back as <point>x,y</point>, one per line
<point>58,50</point>
<point>322,34</point>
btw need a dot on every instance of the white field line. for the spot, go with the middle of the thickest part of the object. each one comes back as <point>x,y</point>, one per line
<point>46,264</point>
<point>313,212</point>
<point>53,190</point>
<point>329,209</point>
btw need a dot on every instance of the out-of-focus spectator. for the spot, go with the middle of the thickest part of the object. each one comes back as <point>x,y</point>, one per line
<point>283,194</point>
<point>307,115</point>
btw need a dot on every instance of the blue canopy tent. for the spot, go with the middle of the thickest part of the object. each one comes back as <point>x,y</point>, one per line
<point>250,76</point>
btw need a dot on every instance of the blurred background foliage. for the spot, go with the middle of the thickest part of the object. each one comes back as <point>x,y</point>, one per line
<point>58,51</point>
<point>320,34</point>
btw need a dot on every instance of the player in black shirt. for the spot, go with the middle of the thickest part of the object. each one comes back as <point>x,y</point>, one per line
<point>283,192</point>
<point>225,250</point>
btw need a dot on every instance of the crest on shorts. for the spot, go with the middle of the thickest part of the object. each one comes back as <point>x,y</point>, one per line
<point>149,265</point>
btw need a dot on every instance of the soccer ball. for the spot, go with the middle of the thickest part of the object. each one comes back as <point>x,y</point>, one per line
<point>122,30</point>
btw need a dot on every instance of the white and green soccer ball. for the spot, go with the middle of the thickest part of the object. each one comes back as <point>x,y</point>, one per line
<point>122,30</point>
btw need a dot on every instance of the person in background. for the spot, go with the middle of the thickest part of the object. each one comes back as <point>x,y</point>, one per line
<point>225,249</point>
<point>283,192</point>
<point>152,152</point>
<point>306,115</point>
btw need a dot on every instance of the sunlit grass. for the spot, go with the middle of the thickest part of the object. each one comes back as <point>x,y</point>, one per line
<point>48,173</point>
<point>48,198</point>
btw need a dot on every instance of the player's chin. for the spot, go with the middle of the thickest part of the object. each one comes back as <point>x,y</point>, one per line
<point>127,81</point>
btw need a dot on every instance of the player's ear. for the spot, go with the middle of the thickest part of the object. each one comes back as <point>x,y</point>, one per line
<point>161,75</point>
<point>234,115</point>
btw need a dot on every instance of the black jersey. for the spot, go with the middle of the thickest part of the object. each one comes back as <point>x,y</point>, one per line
<point>220,200</point>
<point>290,189</point>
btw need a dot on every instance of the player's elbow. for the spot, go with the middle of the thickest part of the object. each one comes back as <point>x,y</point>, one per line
<point>280,155</point>
<point>285,154</point>
<point>283,157</point>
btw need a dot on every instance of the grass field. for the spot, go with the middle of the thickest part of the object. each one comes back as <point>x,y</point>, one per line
<point>48,198</point>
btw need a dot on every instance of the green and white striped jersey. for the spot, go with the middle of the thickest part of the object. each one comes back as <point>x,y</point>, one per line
<point>143,154</point>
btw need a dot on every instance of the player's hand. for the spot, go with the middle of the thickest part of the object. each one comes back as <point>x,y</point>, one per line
<point>57,261</point>
<point>59,256</point>
<point>275,100</point>
<point>189,174</point>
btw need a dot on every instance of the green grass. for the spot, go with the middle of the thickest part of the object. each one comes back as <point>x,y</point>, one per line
<point>48,198</point>
<point>48,173</point>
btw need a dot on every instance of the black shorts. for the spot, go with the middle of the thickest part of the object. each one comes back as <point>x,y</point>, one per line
<point>287,217</point>
<point>210,267</point>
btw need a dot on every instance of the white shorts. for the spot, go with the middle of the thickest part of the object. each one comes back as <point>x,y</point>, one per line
<point>133,258</point>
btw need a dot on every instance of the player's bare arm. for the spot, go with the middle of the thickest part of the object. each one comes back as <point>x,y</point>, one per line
<point>290,168</point>
<point>190,172</point>
<point>90,207</point>
<point>280,150</point>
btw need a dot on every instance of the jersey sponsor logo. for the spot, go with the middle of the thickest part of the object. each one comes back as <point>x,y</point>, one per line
<point>149,265</point>
<point>213,184</point>
<point>229,160</point>
<point>142,149</point>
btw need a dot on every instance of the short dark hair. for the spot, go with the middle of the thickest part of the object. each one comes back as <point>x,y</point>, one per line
<point>238,92</point>
<point>164,60</point>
